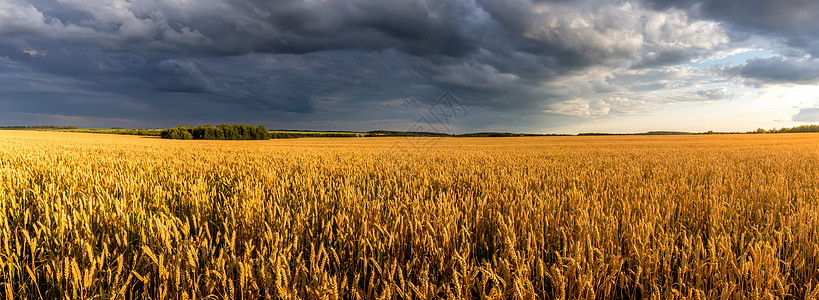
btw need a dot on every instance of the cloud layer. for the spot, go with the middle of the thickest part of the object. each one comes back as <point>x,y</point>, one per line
<point>356,64</point>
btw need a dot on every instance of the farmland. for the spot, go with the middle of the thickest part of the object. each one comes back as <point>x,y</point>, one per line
<point>667,217</point>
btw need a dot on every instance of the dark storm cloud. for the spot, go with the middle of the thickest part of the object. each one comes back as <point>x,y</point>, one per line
<point>353,60</point>
<point>778,69</point>
<point>782,16</point>
<point>235,28</point>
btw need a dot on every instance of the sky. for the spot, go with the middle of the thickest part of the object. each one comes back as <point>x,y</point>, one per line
<point>538,66</point>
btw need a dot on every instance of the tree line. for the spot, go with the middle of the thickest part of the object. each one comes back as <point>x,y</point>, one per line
<point>218,132</point>
<point>283,134</point>
<point>123,131</point>
<point>440,134</point>
<point>802,128</point>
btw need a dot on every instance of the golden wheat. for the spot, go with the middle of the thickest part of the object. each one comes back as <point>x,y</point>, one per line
<point>718,216</point>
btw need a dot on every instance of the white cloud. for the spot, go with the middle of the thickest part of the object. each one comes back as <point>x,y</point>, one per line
<point>577,108</point>
<point>20,18</point>
<point>614,33</point>
<point>603,34</point>
<point>23,19</point>
<point>719,93</point>
<point>34,53</point>
<point>600,107</point>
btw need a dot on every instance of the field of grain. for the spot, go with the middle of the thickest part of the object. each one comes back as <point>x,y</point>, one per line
<point>120,217</point>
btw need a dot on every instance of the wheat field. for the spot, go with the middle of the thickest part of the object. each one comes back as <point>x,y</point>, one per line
<point>87,216</point>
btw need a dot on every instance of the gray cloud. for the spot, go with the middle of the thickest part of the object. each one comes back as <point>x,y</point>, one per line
<point>702,95</point>
<point>779,69</point>
<point>364,61</point>
<point>808,114</point>
<point>182,76</point>
<point>601,107</point>
<point>792,20</point>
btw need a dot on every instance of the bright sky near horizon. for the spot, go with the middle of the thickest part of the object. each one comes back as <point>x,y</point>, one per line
<point>535,66</point>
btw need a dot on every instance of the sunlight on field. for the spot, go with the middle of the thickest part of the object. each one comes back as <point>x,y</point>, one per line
<point>669,217</point>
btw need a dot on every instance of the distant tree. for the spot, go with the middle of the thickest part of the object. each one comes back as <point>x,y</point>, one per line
<point>209,133</point>
<point>186,135</point>
<point>261,133</point>
<point>178,133</point>
<point>220,132</point>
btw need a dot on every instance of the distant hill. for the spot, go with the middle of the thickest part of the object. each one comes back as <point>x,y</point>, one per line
<point>404,133</point>
<point>475,134</point>
<point>797,129</point>
<point>641,133</point>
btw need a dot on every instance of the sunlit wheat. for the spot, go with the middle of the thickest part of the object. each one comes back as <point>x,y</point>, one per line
<point>120,217</point>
